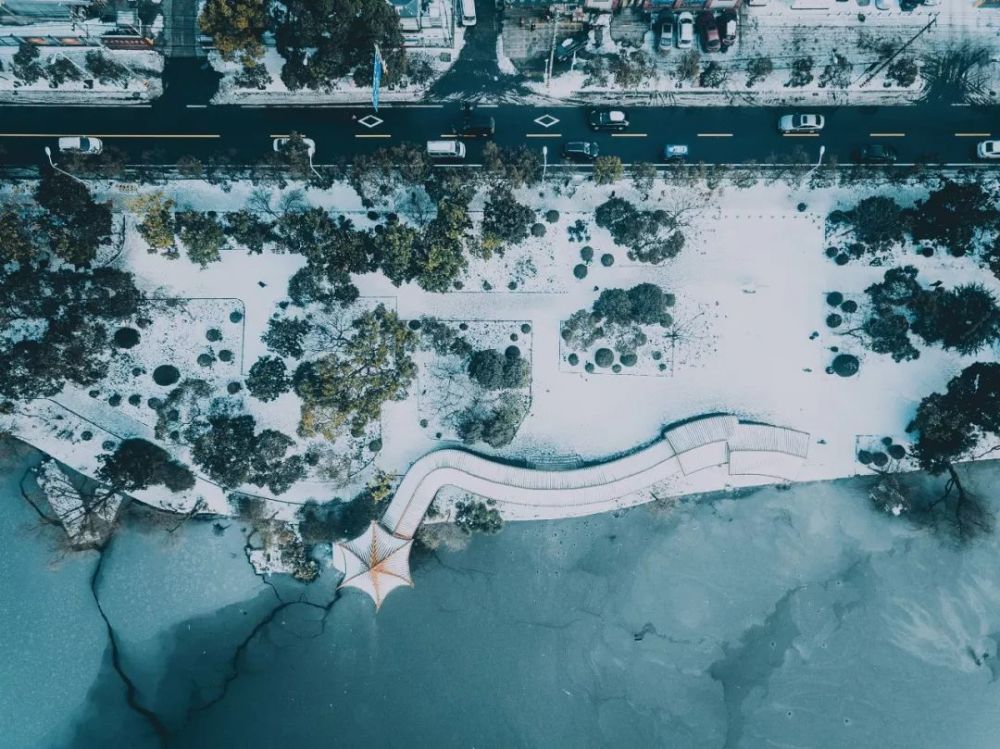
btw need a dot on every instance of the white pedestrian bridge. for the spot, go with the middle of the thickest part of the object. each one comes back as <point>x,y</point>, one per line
<point>741,448</point>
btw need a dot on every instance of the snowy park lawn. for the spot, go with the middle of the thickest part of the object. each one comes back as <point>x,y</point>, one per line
<point>749,337</point>
<point>444,389</point>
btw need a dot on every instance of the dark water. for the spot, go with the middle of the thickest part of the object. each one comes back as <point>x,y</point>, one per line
<point>784,619</point>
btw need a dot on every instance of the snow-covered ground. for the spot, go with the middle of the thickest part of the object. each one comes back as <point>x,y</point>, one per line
<point>785,31</point>
<point>751,286</point>
<point>144,81</point>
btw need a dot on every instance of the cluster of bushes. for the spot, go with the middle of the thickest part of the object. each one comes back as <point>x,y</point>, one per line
<point>951,217</point>
<point>965,318</point>
<point>495,371</point>
<point>496,425</point>
<point>618,316</point>
<point>433,256</point>
<point>98,64</point>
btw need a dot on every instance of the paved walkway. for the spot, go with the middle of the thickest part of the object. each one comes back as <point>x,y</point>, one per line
<point>526,494</point>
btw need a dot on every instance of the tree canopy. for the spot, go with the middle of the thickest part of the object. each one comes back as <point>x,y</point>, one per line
<point>370,366</point>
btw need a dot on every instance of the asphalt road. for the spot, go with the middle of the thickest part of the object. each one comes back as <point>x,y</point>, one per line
<point>161,133</point>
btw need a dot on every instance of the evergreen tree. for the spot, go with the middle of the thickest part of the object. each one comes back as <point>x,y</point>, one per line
<point>137,464</point>
<point>350,385</point>
<point>202,235</point>
<point>74,224</point>
<point>268,379</point>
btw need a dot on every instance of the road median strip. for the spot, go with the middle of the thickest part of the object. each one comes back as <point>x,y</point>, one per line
<point>887,135</point>
<point>371,135</point>
<point>544,135</point>
<point>175,136</point>
<point>715,135</point>
<point>629,135</point>
<point>972,135</point>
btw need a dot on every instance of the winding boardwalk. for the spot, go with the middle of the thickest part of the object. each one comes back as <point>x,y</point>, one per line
<point>712,441</point>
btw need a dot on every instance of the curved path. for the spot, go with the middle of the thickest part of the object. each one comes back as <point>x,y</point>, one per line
<point>713,441</point>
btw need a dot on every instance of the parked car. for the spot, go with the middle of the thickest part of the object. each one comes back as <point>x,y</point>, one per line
<point>685,30</point>
<point>727,28</point>
<point>876,153</point>
<point>675,153</point>
<point>473,126</point>
<point>710,40</point>
<point>666,33</point>
<point>570,46</point>
<point>988,149</point>
<point>446,149</point>
<point>468,12</point>
<point>801,123</point>
<point>280,144</point>
<point>580,150</point>
<point>608,119</point>
<point>82,144</point>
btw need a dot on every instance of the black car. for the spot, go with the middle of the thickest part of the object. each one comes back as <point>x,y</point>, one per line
<point>608,119</point>
<point>876,153</point>
<point>475,127</point>
<point>580,150</point>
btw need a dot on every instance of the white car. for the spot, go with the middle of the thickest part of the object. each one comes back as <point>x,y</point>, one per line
<point>685,30</point>
<point>81,145</point>
<point>281,143</point>
<point>801,123</point>
<point>988,149</point>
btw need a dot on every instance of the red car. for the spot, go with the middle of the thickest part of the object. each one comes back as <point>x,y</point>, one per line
<point>710,40</point>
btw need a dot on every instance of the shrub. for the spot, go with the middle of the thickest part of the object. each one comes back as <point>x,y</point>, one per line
<point>495,371</point>
<point>580,271</point>
<point>604,357</point>
<point>834,298</point>
<point>607,260</point>
<point>845,365</point>
<point>834,320</point>
<point>538,230</point>
<point>586,253</point>
<point>573,359</point>
<point>629,360</point>
<point>552,216</point>
<point>268,379</point>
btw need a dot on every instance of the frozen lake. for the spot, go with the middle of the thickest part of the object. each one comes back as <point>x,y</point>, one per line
<point>796,618</point>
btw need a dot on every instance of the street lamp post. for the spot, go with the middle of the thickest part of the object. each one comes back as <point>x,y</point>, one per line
<point>545,161</point>
<point>311,165</point>
<point>819,162</point>
<point>48,152</point>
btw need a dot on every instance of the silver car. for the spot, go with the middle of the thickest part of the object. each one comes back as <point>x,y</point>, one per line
<point>685,30</point>
<point>801,123</point>
<point>82,144</point>
<point>988,149</point>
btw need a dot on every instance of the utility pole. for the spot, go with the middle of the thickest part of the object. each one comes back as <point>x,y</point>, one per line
<point>552,51</point>
<point>545,161</point>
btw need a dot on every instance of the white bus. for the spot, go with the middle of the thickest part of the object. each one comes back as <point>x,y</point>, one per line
<point>468,12</point>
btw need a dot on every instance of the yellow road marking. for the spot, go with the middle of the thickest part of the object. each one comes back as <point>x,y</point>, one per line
<point>715,135</point>
<point>544,135</point>
<point>887,135</point>
<point>106,135</point>
<point>972,135</point>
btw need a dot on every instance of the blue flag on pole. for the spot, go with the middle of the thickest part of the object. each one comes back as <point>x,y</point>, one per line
<point>379,68</point>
